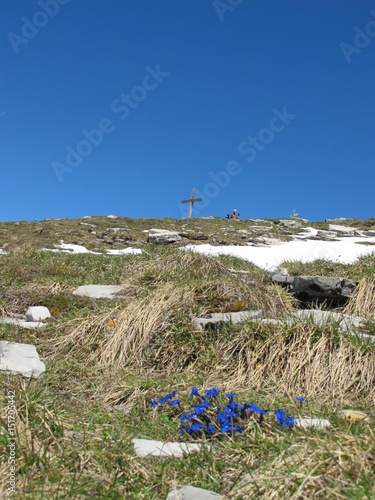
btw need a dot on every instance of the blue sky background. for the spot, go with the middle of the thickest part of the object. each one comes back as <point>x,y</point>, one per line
<point>226,75</point>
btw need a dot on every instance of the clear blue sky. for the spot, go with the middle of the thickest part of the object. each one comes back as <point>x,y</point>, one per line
<point>199,81</point>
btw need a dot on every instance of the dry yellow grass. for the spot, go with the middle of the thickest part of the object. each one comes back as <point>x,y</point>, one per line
<point>362,302</point>
<point>300,359</point>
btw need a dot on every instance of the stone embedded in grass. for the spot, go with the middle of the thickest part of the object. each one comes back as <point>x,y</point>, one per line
<point>312,422</point>
<point>152,448</point>
<point>99,291</point>
<point>37,313</point>
<point>353,414</point>
<point>31,325</point>
<point>192,493</point>
<point>218,320</point>
<point>162,236</point>
<point>20,359</point>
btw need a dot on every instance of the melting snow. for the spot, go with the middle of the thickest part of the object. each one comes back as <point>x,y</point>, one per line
<point>344,250</point>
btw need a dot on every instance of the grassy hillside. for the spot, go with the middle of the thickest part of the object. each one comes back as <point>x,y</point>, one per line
<point>107,360</point>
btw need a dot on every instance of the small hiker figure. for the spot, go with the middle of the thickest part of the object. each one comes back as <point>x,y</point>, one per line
<point>234,215</point>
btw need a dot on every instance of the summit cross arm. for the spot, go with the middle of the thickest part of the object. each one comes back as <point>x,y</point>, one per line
<point>191,201</point>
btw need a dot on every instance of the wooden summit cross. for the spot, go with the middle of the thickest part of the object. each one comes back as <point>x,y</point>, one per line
<point>191,201</point>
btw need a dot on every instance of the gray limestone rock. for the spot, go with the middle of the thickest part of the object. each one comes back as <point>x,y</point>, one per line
<point>316,287</point>
<point>37,313</point>
<point>99,291</point>
<point>192,493</point>
<point>163,236</point>
<point>217,320</point>
<point>20,359</point>
<point>152,448</point>
<point>347,323</point>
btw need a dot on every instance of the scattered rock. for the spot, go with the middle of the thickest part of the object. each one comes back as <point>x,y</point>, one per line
<point>328,235</point>
<point>116,230</point>
<point>343,230</point>
<point>22,321</point>
<point>20,359</point>
<point>291,224</point>
<point>163,236</point>
<point>217,320</point>
<point>192,493</point>
<point>346,322</point>
<point>370,232</point>
<point>100,236</point>
<point>122,408</point>
<point>321,423</point>
<point>151,448</point>
<point>260,229</point>
<point>37,313</point>
<point>99,291</point>
<point>317,287</point>
<point>353,415</point>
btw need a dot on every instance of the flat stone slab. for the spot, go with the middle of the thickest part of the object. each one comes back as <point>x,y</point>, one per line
<point>321,423</point>
<point>31,325</point>
<point>320,287</point>
<point>162,236</point>
<point>353,414</point>
<point>151,448</point>
<point>343,230</point>
<point>218,320</point>
<point>37,313</point>
<point>99,291</point>
<point>346,322</point>
<point>20,359</point>
<point>192,493</point>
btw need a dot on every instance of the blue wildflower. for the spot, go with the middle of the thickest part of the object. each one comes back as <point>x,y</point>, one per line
<point>289,422</point>
<point>260,411</point>
<point>238,428</point>
<point>301,399</point>
<point>196,427</point>
<point>280,415</point>
<point>154,402</point>
<point>175,402</point>
<point>166,398</point>
<point>212,393</point>
<point>283,419</point>
<point>194,392</point>
<point>231,395</point>
<point>200,409</point>
<point>187,416</point>
<point>211,429</point>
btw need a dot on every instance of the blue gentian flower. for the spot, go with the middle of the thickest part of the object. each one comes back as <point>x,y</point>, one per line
<point>301,399</point>
<point>289,422</point>
<point>154,402</point>
<point>260,411</point>
<point>238,428</point>
<point>194,392</point>
<point>211,429</point>
<point>231,395</point>
<point>283,419</point>
<point>175,402</point>
<point>200,409</point>
<point>212,393</point>
<point>166,398</point>
<point>187,416</point>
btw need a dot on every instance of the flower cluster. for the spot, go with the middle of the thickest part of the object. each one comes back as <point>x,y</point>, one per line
<point>206,417</point>
<point>283,419</point>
